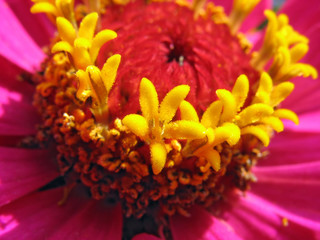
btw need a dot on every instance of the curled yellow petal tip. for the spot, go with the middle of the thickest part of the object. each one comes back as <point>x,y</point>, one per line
<point>259,132</point>
<point>188,112</point>
<point>148,99</point>
<point>287,114</point>
<point>240,90</point>
<point>184,129</point>
<point>158,157</point>
<point>137,124</point>
<point>171,102</point>
<point>229,104</point>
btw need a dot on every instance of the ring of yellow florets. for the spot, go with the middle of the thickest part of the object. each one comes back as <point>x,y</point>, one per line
<point>159,155</point>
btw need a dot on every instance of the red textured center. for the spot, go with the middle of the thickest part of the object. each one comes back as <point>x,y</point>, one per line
<point>166,44</point>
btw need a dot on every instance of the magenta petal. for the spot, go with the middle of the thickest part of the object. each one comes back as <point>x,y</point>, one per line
<point>309,123</point>
<point>256,17</point>
<point>226,4</point>
<point>23,171</point>
<point>16,116</point>
<point>38,215</point>
<point>94,220</point>
<point>294,188</point>
<point>292,147</point>
<point>37,25</point>
<point>253,218</point>
<point>144,236</point>
<point>201,225</point>
<point>15,43</point>
<point>303,14</point>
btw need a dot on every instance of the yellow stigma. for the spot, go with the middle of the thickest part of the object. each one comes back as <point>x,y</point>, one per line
<point>97,85</point>
<point>156,123</point>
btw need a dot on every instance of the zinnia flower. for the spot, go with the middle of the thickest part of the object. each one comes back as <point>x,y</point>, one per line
<point>153,119</point>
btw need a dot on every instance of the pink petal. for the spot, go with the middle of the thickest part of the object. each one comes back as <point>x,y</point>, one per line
<point>11,80</point>
<point>145,236</point>
<point>38,216</point>
<point>256,17</point>
<point>253,218</point>
<point>309,123</point>
<point>201,225</point>
<point>294,188</point>
<point>94,220</point>
<point>227,4</point>
<point>17,115</point>
<point>255,38</point>
<point>302,15</point>
<point>292,147</point>
<point>23,171</point>
<point>15,43</point>
<point>37,25</point>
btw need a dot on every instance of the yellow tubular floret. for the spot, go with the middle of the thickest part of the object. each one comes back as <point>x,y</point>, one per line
<point>66,30</point>
<point>213,157</point>
<point>137,124</point>
<point>274,122</point>
<point>149,102</point>
<point>97,83</point>
<point>284,66</point>
<point>224,121</point>
<point>171,102</point>
<point>158,154</point>
<point>82,45</point>
<point>259,132</point>
<point>156,123</point>
<point>228,132</point>
<point>44,7</point>
<point>286,46</point>
<point>229,105</point>
<point>99,39</point>
<point>57,8</point>
<point>253,113</point>
<point>280,92</point>
<point>264,90</point>
<point>88,26</point>
<point>286,114</point>
<point>188,112</point>
<point>240,90</point>
<point>184,129</point>
<point>211,116</point>
<point>109,71</point>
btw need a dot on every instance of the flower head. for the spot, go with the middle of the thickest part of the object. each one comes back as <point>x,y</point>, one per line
<point>162,107</point>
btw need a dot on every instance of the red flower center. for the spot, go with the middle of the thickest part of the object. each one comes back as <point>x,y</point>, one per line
<point>166,44</point>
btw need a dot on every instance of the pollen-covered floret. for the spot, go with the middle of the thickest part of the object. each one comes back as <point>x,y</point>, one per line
<point>156,123</point>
